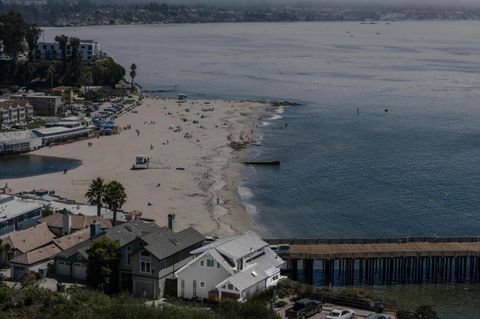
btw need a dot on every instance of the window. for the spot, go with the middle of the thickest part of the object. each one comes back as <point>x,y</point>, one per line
<point>210,263</point>
<point>218,264</point>
<point>202,284</point>
<point>128,256</point>
<point>145,262</point>
<point>201,263</point>
<point>230,287</point>
<point>194,289</point>
<point>182,288</point>
<point>163,264</point>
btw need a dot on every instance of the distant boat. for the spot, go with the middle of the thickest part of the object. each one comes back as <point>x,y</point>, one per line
<point>386,110</point>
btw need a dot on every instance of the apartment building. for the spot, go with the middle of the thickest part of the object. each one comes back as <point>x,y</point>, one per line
<point>89,50</point>
<point>15,112</point>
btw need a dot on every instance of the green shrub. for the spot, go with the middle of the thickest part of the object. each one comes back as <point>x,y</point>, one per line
<point>280,304</point>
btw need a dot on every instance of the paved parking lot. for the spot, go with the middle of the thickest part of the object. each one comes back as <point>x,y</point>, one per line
<point>326,310</point>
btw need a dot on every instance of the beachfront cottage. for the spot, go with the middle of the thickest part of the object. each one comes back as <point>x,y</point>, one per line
<point>233,267</point>
<point>149,257</point>
<point>68,262</point>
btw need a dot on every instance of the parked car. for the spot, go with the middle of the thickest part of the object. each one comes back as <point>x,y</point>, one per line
<point>379,316</point>
<point>341,314</point>
<point>304,308</point>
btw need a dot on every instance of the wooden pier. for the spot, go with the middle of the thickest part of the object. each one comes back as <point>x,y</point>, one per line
<point>383,261</point>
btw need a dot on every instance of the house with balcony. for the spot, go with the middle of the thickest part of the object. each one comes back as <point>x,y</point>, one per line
<point>15,112</point>
<point>230,268</point>
<point>89,50</point>
<point>149,257</point>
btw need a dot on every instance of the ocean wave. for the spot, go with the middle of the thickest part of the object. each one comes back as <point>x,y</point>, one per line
<point>275,117</point>
<point>245,193</point>
<point>266,123</point>
<point>280,110</point>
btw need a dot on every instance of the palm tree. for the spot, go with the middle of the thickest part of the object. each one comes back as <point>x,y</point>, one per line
<point>114,196</point>
<point>51,72</point>
<point>63,42</point>
<point>95,194</point>
<point>133,74</point>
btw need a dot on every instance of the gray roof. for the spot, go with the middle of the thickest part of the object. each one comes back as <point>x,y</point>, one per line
<point>261,269</point>
<point>131,230</point>
<point>123,233</point>
<point>235,247</point>
<point>80,249</point>
<point>160,242</point>
<point>164,242</point>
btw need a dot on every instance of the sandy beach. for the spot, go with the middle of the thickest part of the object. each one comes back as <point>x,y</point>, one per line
<point>194,171</point>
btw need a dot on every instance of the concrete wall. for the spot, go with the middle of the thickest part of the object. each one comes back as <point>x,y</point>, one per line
<point>211,276</point>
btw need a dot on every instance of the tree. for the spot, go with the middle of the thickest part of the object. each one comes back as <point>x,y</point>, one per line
<point>95,194</point>
<point>51,72</point>
<point>114,196</point>
<point>32,34</point>
<point>87,79</point>
<point>73,73</point>
<point>12,33</point>
<point>133,74</point>
<point>102,266</point>
<point>47,210</point>
<point>5,251</point>
<point>63,42</point>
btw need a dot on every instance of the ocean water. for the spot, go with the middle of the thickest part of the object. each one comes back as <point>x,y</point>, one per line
<point>349,168</point>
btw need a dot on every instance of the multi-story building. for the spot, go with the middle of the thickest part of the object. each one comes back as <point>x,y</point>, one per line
<point>14,112</point>
<point>17,214</point>
<point>233,267</point>
<point>43,105</point>
<point>89,50</point>
<point>19,142</point>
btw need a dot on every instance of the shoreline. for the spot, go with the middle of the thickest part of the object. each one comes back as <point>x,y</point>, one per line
<point>197,166</point>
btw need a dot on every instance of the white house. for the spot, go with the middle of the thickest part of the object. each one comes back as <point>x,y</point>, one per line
<point>233,267</point>
<point>89,50</point>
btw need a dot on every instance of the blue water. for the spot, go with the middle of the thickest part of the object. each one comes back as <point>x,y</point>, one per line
<point>414,170</point>
<point>32,165</point>
<point>372,174</point>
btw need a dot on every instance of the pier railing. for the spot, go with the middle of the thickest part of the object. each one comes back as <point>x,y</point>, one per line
<point>418,239</point>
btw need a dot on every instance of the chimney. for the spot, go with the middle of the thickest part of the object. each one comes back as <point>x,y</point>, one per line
<point>171,221</point>
<point>95,230</point>
<point>67,223</point>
